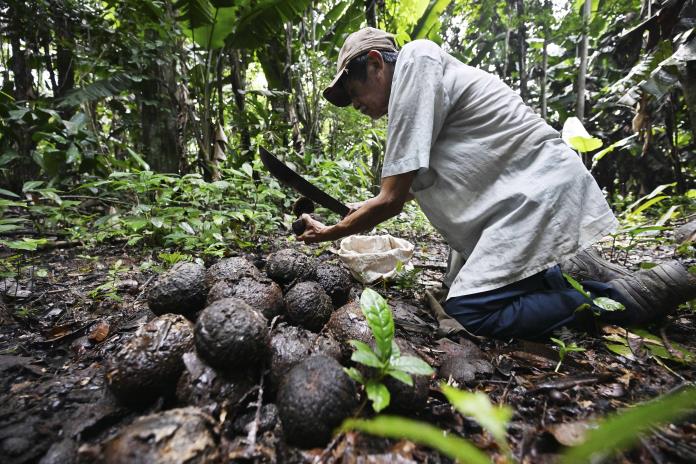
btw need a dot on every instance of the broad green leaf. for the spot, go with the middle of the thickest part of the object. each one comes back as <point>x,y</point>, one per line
<point>620,144</point>
<point>212,35</point>
<point>412,365</point>
<point>649,203</point>
<point>31,185</point>
<point>576,285</point>
<point>354,374</point>
<point>51,195</point>
<point>136,223</point>
<point>428,26</point>
<point>621,350</point>
<point>195,13</point>
<point>656,191</point>
<point>380,321</point>
<point>27,244</point>
<point>419,432</point>
<point>248,170</point>
<point>478,406</point>
<point>401,376</point>
<point>263,21</point>
<point>575,135</point>
<point>138,159</point>
<point>9,227</point>
<point>157,222</point>
<point>657,347</point>
<point>8,193</point>
<point>187,227</point>
<point>364,355</point>
<point>113,85</point>
<point>608,304</point>
<point>378,394</point>
<point>621,430</point>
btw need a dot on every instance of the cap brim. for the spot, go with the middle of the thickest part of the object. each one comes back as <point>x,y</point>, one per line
<point>335,93</point>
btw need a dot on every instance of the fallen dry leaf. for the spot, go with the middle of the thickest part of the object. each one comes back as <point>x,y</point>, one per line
<point>99,332</point>
<point>570,433</point>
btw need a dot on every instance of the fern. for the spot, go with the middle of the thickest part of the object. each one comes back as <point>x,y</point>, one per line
<point>104,88</point>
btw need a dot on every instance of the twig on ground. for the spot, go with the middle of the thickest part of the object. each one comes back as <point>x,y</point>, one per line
<point>251,437</point>
<point>665,341</point>
<point>144,287</point>
<point>569,383</point>
<point>654,453</point>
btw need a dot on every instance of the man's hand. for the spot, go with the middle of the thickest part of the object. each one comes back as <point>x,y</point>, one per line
<point>313,230</point>
<point>394,192</point>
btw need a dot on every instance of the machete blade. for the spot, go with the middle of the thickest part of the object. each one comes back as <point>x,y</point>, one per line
<point>292,179</point>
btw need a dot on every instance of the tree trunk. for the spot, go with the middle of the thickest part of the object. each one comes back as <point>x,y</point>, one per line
<point>582,73</point>
<point>522,49</point>
<point>239,84</point>
<point>542,79</point>
<point>371,12</point>
<point>25,168</point>
<point>158,113</point>
<point>688,83</point>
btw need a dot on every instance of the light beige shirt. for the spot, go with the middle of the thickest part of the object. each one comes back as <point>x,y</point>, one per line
<point>493,178</point>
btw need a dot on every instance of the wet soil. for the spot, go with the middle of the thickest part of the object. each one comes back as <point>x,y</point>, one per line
<point>68,312</point>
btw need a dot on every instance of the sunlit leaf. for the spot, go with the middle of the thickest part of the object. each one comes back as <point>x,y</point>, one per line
<point>422,433</point>
<point>412,365</point>
<point>575,135</point>
<point>478,405</point>
<point>608,304</point>
<point>380,321</point>
<point>401,376</point>
<point>378,394</point>
<point>623,429</point>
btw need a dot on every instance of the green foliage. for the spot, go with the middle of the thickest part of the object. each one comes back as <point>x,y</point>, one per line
<point>419,432</point>
<point>386,358</point>
<point>477,405</point>
<point>602,302</point>
<point>405,279</point>
<point>565,348</point>
<point>109,289</point>
<point>617,432</point>
<point>621,430</point>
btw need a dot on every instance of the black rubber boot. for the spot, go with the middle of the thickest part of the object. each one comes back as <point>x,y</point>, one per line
<point>652,293</point>
<point>589,265</point>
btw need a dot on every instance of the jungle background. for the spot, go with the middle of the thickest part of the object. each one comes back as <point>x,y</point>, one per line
<point>130,135</point>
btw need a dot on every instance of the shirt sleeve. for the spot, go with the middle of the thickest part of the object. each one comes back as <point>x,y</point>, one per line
<point>417,109</point>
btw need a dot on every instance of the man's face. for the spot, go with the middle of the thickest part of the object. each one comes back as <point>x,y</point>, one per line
<point>371,96</point>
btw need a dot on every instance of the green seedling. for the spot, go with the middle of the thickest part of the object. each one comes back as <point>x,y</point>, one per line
<point>386,358</point>
<point>564,349</point>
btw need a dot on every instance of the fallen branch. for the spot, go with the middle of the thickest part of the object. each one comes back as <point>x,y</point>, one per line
<point>564,384</point>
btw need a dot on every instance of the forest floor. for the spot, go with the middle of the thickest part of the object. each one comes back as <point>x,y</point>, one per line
<point>71,308</point>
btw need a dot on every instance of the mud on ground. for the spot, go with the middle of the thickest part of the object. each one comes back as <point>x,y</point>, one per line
<point>70,309</point>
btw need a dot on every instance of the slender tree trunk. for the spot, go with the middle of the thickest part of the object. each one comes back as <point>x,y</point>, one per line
<point>25,168</point>
<point>522,49</point>
<point>371,12</point>
<point>158,113</point>
<point>582,73</point>
<point>688,83</point>
<point>542,78</point>
<point>238,66</point>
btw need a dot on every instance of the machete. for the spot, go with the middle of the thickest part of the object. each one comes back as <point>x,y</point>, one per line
<point>292,179</point>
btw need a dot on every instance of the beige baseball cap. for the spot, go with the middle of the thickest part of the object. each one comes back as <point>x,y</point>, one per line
<point>356,44</point>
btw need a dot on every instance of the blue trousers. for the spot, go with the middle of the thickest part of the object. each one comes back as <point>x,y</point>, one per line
<point>531,308</point>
